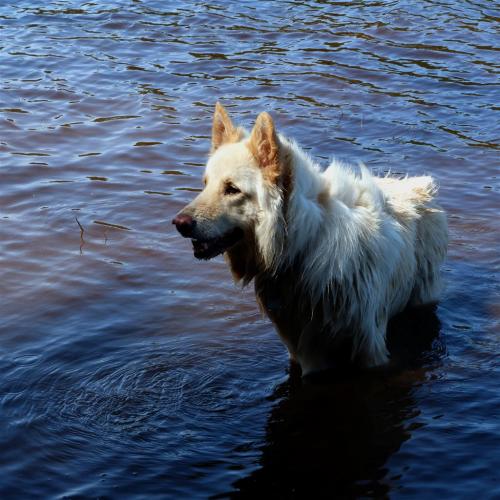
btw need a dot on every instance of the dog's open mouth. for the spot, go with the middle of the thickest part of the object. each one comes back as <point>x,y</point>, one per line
<point>208,249</point>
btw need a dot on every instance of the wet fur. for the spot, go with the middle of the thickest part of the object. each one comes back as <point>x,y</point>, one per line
<point>333,254</point>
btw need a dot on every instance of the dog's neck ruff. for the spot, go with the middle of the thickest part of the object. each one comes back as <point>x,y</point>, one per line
<point>292,232</point>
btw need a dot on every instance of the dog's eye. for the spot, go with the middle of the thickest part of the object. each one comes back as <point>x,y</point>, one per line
<point>231,189</point>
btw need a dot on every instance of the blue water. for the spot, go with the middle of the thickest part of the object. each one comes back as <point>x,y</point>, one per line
<point>127,368</point>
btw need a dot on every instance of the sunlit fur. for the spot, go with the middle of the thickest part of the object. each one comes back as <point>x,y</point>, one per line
<point>333,253</point>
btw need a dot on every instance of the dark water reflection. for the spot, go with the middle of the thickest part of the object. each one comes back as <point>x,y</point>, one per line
<point>332,440</point>
<point>128,369</point>
<point>333,435</point>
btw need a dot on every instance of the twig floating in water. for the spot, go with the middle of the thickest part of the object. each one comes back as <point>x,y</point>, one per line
<point>81,227</point>
<point>82,241</point>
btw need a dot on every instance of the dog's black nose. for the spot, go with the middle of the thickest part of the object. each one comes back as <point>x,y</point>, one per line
<point>185,224</point>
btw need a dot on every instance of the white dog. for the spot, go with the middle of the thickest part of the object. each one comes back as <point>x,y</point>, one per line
<point>333,255</point>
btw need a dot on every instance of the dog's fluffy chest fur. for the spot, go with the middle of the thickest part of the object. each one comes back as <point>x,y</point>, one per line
<point>314,339</point>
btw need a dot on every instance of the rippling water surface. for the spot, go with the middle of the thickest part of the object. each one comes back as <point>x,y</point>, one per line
<point>127,368</point>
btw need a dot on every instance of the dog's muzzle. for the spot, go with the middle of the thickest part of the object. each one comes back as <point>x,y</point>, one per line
<point>205,248</point>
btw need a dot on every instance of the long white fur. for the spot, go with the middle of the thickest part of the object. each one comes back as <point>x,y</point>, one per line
<point>393,220</point>
<point>377,240</point>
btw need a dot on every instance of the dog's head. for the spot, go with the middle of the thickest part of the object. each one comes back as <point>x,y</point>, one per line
<point>243,192</point>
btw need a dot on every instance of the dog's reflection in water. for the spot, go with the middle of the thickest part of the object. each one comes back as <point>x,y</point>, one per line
<point>330,436</point>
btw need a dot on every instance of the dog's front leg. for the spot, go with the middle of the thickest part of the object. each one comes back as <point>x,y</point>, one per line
<point>373,351</point>
<point>313,353</point>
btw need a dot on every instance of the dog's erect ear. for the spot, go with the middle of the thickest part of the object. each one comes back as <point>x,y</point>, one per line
<point>223,130</point>
<point>264,146</point>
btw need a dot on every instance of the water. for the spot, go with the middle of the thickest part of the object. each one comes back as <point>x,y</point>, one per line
<point>128,368</point>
